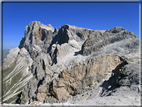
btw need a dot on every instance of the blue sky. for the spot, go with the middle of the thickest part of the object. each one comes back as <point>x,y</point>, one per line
<point>96,16</point>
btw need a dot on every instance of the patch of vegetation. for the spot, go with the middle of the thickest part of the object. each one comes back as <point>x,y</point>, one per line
<point>9,69</point>
<point>4,74</point>
<point>11,100</point>
<point>14,80</point>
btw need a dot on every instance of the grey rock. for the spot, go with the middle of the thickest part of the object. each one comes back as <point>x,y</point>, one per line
<point>119,29</point>
<point>82,78</point>
<point>131,75</point>
<point>69,32</point>
<point>51,100</point>
<point>120,83</point>
<point>55,30</point>
<point>38,37</point>
<point>75,64</point>
<point>115,30</point>
<point>10,57</point>
<point>16,76</point>
<point>97,40</point>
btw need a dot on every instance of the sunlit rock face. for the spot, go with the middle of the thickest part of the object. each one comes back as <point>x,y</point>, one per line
<point>71,64</point>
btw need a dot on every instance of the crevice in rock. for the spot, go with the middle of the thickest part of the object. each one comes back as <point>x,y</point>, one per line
<point>34,99</point>
<point>119,67</point>
<point>40,82</point>
<point>18,101</point>
<point>60,38</point>
<point>30,38</point>
<point>54,41</point>
<point>111,84</point>
<point>74,91</point>
<point>35,72</point>
<point>51,91</point>
<point>62,35</point>
<point>77,53</point>
<point>43,64</point>
<point>54,56</point>
<point>42,34</point>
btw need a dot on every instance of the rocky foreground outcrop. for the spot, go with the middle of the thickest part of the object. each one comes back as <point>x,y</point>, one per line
<point>73,64</point>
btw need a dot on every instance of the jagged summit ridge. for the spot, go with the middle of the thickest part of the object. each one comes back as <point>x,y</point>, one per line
<point>65,64</point>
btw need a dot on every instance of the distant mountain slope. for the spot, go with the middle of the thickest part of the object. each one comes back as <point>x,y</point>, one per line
<point>5,53</point>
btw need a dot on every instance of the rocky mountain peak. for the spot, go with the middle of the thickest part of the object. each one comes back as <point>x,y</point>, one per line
<point>120,29</point>
<point>49,25</point>
<point>115,30</point>
<point>72,64</point>
<point>35,27</point>
<point>37,37</point>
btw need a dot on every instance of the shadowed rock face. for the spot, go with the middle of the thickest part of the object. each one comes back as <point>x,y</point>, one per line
<point>71,61</point>
<point>98,40</point>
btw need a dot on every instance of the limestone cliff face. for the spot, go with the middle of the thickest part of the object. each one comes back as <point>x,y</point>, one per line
<point>79,78</point>
<point>98,40</point>
<point>67,63</point>
<point>38,38</point>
